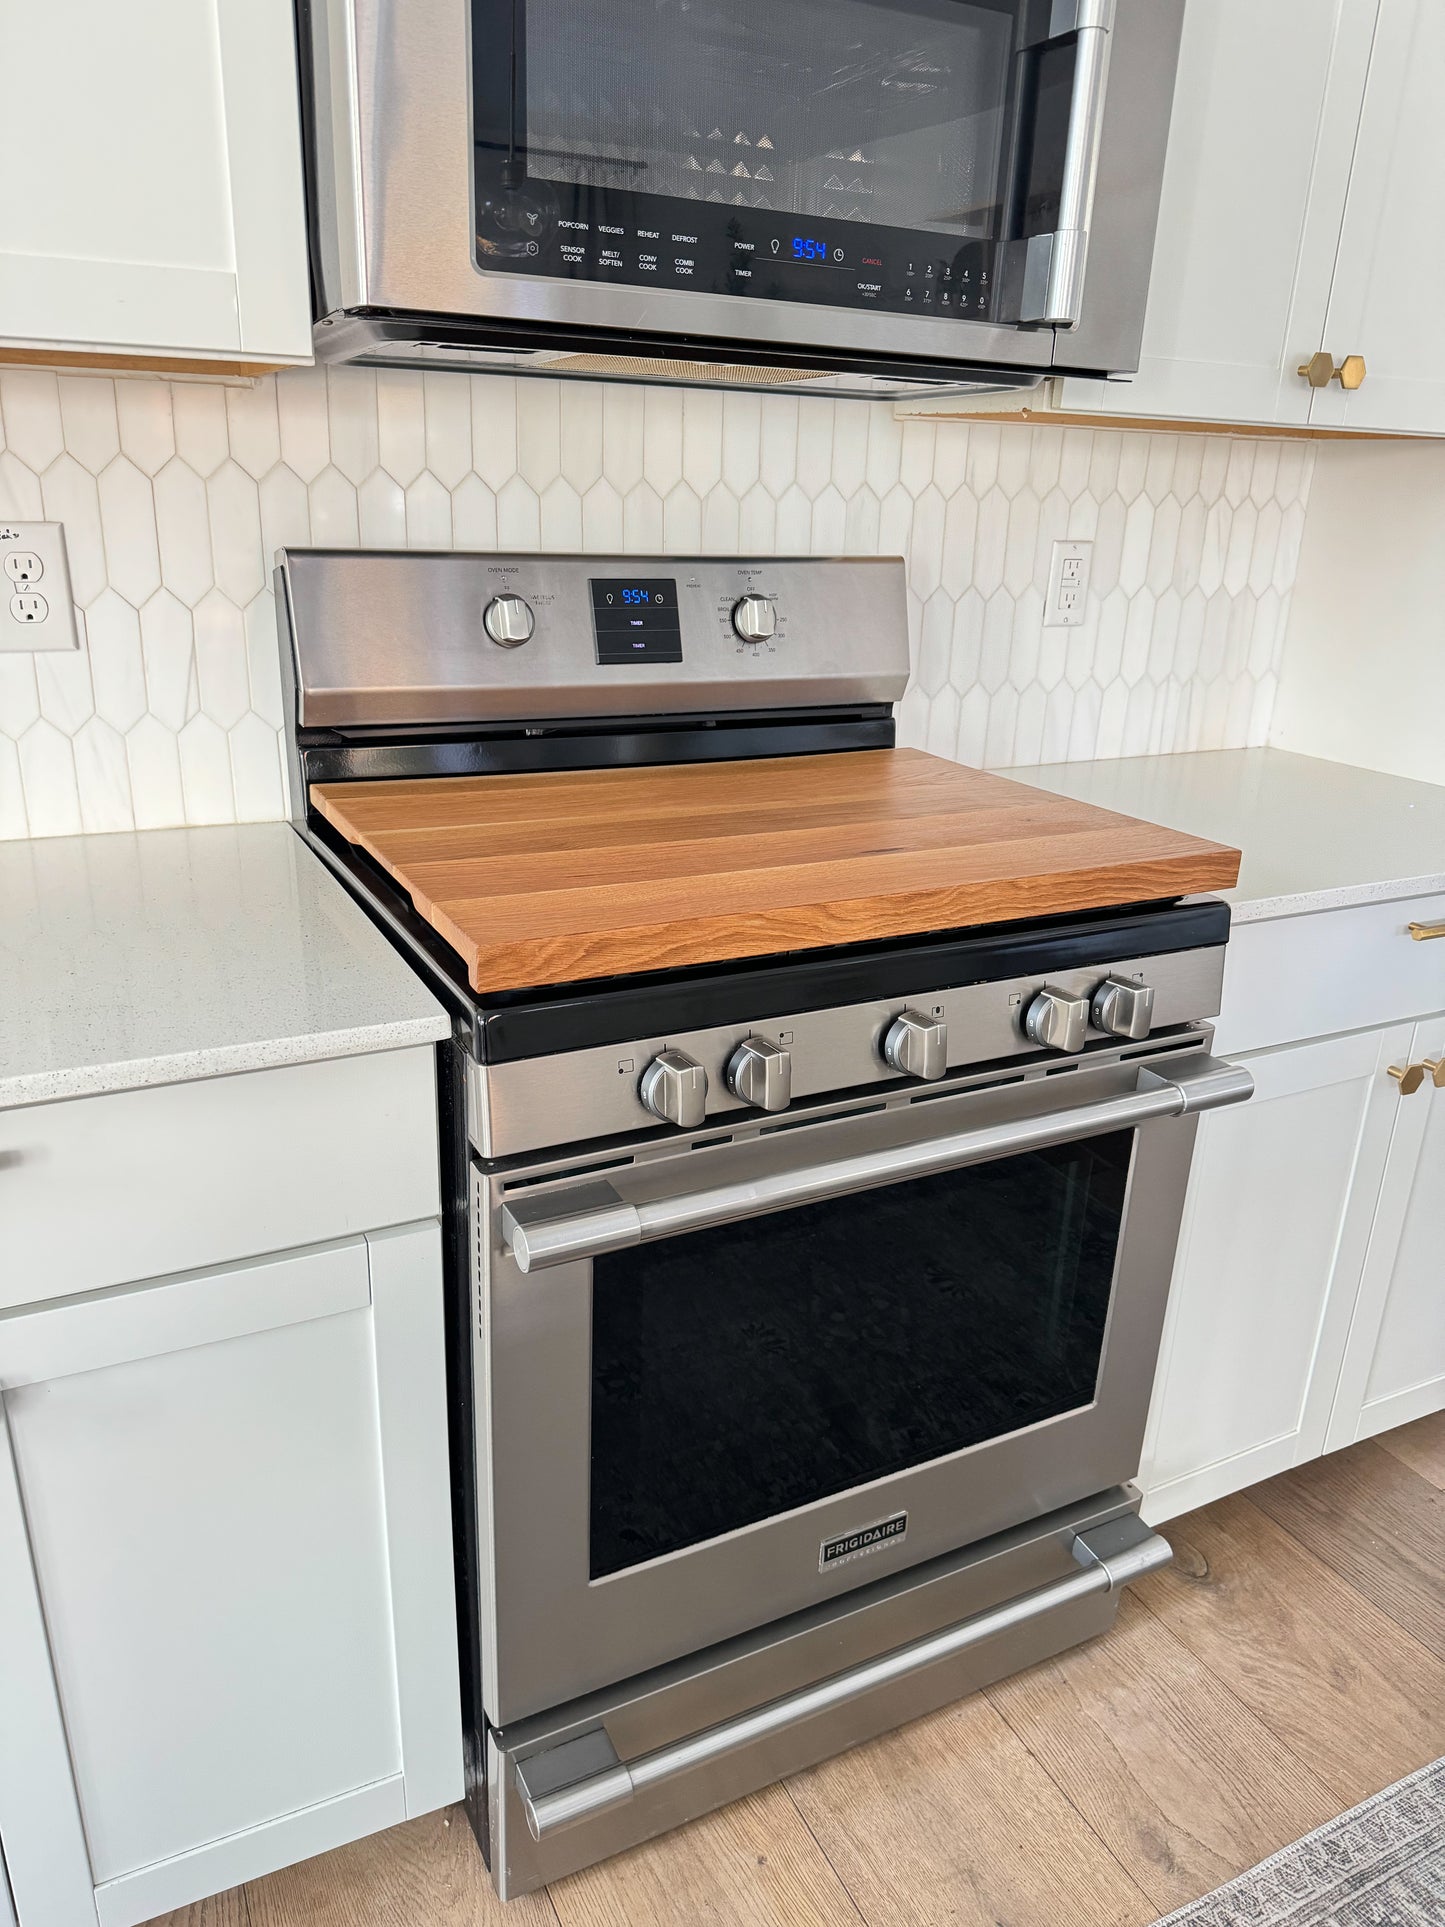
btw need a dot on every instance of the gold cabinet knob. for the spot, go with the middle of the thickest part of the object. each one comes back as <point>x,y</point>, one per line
<point>1320,370</point>
<point>1436,1068</point>
<point>1409,1077</point>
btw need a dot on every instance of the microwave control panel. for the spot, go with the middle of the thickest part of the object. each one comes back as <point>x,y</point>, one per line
<point>646,241</point>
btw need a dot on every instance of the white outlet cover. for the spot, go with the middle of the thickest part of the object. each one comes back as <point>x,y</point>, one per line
<point>1068,599</point>
<point>36,612</point>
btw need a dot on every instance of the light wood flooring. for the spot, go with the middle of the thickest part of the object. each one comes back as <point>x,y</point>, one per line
<point>1289,1664</point>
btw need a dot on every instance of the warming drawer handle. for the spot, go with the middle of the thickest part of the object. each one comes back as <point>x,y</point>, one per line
<point>1109,1556</point>
<point>563,1227</point>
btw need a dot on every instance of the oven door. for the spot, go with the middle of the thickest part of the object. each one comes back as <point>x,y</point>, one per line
<point>881,179</point>
<point>727,1379</point>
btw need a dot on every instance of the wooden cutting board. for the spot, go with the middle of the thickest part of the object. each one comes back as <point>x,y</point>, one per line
<point>547,878</point>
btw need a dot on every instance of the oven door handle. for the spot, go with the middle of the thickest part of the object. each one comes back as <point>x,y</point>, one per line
<point>586,1220</point>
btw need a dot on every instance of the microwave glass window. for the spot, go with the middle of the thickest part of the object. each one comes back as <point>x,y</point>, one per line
<point>741,1372</point>
<point>859,153</point>
<point>843,109</point>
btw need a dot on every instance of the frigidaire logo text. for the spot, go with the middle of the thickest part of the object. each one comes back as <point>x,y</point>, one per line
<point>852,1545</point>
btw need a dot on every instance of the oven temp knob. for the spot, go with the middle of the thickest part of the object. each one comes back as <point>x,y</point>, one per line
<point>509,621</point>
<point>1123,1009</point>
<point>760,1072</point>
<point>1058,1019</point>
<point>674,1088</point>
<point>754,618</point>
<point>916,1045</point>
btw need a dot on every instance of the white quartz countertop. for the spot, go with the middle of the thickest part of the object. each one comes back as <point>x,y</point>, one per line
<point>173,954</point>
<point>1314,835</point>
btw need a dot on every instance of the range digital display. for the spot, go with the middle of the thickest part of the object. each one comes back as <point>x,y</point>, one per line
<point>636,620</point>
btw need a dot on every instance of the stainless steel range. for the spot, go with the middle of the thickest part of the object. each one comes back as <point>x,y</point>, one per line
<point>805,1309</point>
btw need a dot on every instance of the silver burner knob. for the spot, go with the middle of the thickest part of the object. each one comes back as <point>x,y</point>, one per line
<point>509,621</point>
<point>1058,1019</point>
<point>760,1072</point>
<point>917,1045</point>
<point>1123,1009</point>
<point>674,1088</point>
<point>754,618</point>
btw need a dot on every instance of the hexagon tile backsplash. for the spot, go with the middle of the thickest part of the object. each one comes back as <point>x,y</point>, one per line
<point>175,494</point>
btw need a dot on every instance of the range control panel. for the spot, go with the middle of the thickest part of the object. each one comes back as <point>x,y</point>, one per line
<point>439,638</point>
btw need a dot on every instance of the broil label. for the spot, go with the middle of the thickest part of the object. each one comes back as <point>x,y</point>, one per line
<point>853,1545</point>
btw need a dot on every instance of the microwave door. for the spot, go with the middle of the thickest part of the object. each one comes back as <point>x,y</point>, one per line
<point>932,159</point>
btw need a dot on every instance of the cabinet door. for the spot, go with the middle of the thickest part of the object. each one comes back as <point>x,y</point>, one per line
<point>1265,110</point>
<point>1271,1251</point>
<point>233,1487</point>
<point>1388,290</point>
<point>154,198</point>
<point>1394,1368</point>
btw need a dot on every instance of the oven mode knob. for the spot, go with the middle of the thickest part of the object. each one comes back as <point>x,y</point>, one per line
<point>1058,1019</point>
<point>916,1045</point>
<point>674,1088</point>
<point>760,1072</point>
<point>1123,1009</point>
<point>754,618</point>
<point>509,621</point>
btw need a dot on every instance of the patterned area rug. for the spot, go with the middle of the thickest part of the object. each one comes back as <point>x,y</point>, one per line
<point>1381,1865</point>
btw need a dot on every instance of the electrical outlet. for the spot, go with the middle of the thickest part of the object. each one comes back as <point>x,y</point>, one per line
<point>1068,585</point>
<point>36,611</point>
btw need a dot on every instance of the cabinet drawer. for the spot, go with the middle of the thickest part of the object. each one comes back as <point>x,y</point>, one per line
<point>1335,970</point>
<point>101,1191</point>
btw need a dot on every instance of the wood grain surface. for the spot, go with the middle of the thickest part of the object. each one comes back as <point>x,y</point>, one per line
<point>1229,1709</point>
<point>548,878</point>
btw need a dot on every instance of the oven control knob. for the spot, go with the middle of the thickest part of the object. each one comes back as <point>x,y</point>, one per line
<point>1058,1019</point>
<point>916,1045</point>
<point>754,618</point>
<point>509,621</point>
<point>760,1072</point>
<point>674,1088</point>
<point>1123,1009</point>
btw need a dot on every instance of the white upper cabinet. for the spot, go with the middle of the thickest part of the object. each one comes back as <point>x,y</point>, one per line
<point>1388,292</point>
<point>1265,108</point>
<point>1304,181</point>
<point>154,204</point>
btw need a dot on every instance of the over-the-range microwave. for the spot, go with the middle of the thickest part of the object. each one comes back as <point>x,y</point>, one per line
<point>858,196</point>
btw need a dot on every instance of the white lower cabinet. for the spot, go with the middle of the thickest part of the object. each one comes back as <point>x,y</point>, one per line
<point>1274,1240</point>
<point>1394,1368</point>
<point>227,1622</point>
<point>1308,1302</point>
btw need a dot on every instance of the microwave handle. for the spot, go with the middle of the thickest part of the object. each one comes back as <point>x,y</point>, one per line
<point>1053,272</point>
<point>582,1222</point>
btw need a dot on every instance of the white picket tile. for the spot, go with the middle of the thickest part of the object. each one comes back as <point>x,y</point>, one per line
<point>203,437</point>
<point>167,639</point>
<point>206,773</point>
<point>381,512</point>
<point>146,421</point>
<point>401,423</point>
<point>102,778</point>
<point>221,667</point>
<point>117,668</point>
<point>304,419</point>
<point>153,758</point>
<point>253,427</point>
<point>47,769</point>
<point>128,525</point>
<point>33,428</point>
<point>89,428</point>
<point>428,514</point>
<point>68,494</point>
<point>183,529</point>
<point>234,507</point>
<point>13,820</point>
<point>448,426</point>
<point>255,749</point>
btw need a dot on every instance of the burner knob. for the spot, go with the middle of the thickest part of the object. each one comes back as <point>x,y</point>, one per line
<point>917,1045</point>
<point>754,618</point>
<point>1123,1009</point>
<point>1058,1019</point>
<point>760,1072</point>
<point>509,621</point>
<point>674,1088</point>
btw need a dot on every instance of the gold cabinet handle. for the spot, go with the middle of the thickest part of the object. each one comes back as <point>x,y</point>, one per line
<point>1436,1068</point>
<point>1320,370</point>
<point>1409,1077</point>
<point>1426,932</point>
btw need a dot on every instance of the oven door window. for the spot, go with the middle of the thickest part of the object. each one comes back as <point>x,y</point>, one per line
<point>850,152</point>
<point>741,1372</point>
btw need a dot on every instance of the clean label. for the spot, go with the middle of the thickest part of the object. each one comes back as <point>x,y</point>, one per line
<point>853,1545</point>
